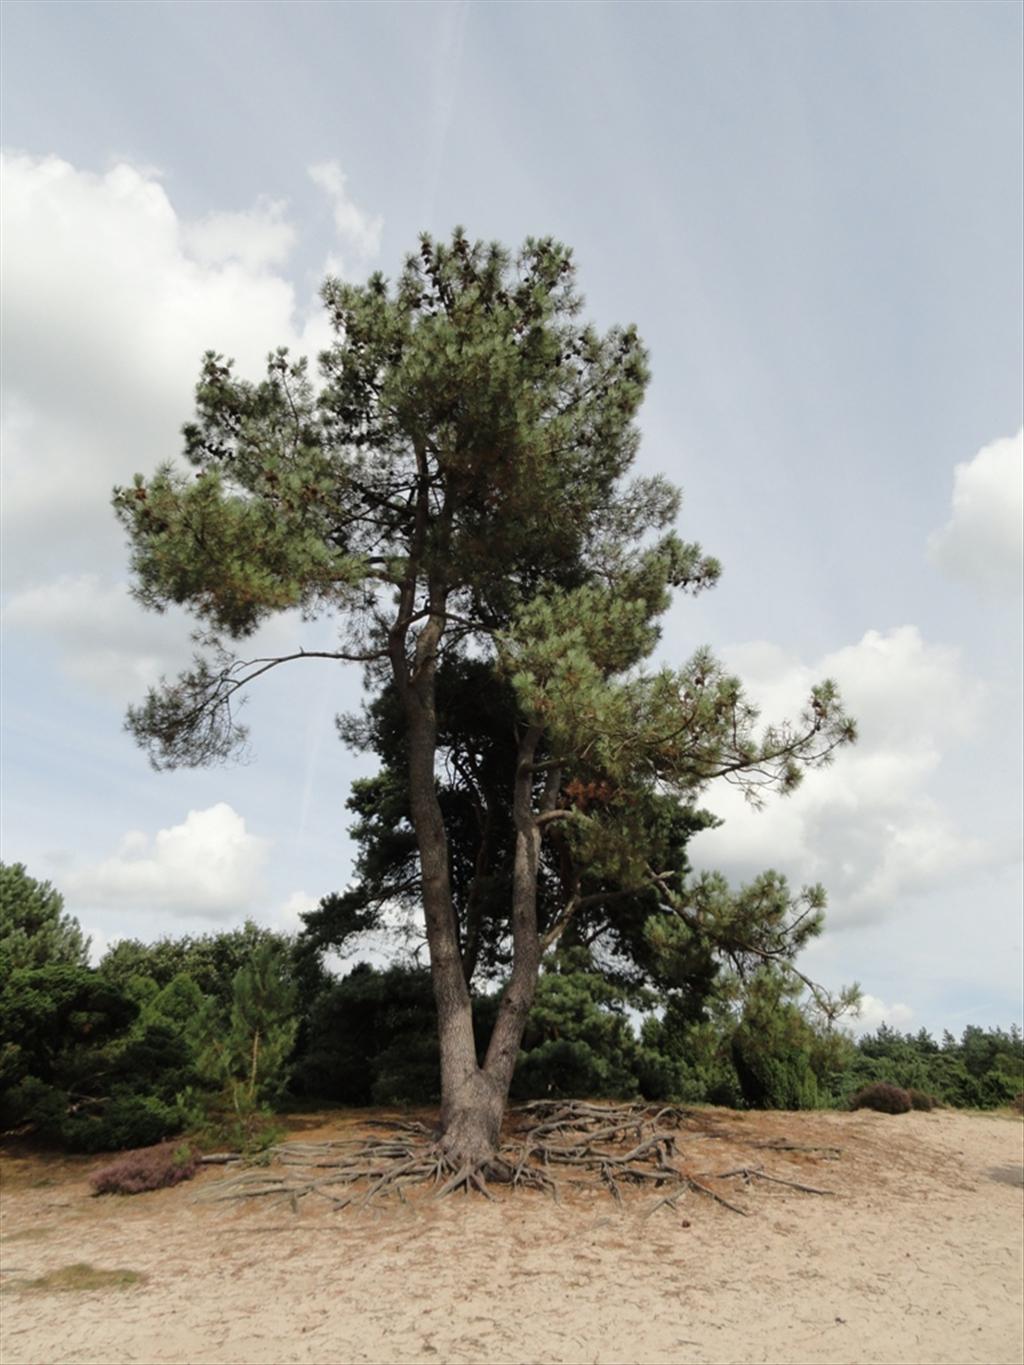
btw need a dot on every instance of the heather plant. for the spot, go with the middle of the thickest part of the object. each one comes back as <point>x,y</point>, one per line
<point>886,1099</point>
<point>149,1168</point>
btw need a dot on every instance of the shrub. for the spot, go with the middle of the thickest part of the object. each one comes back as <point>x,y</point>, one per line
<point>127,1121</point>
<point>887,1099</point>
<point>150,1168</point>
<point>229,1122</point>
<point>1017,1104</point>
<point>920,1099</point>
<point>563,1067</point>
<point>373,1039</point>
<point>772,1047</point>
<point>38,1106</point>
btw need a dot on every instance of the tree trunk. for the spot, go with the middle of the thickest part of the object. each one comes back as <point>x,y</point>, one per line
<point>451,994</point>
<point>526,950</point>
<point>470,1111</point>
<point>471,1120</point>
<point>473,1098</point>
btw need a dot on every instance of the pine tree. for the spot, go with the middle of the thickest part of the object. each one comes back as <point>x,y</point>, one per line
<point>459,488</point>
<point>248,1052</point>
<point>34,930</point>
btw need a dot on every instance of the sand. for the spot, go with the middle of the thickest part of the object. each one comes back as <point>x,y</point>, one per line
<point>915,1257</point>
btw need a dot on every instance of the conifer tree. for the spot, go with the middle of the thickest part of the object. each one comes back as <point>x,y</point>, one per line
<point>459,488</point>
<point>248,1052</point>
<point>34,930</point>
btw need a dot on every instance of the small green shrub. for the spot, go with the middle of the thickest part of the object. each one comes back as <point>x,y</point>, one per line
<point>35,1104</point>
<point>920,1099</point>
<point>229,1121</point>
<point>150,1168</point>
<point>886,1099</point>
<point>126,1121</point>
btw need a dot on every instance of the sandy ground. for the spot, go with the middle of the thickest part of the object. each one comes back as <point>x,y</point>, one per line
<point>915,1257</point>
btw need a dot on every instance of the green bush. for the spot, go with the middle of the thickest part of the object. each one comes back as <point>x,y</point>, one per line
<point>34,1103</point>
<point>125,1121</point>
<point>373,1039</point>
<point>688,1060</point>
<point>562,1068</point>
<point>578,1040</point>
<point>773,1048</point>
<point>920,1099</point>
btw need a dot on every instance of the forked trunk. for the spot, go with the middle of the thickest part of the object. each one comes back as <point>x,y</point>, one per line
<point>471,1122</point>
<point>473,1098</point>
<point>472,1109</point>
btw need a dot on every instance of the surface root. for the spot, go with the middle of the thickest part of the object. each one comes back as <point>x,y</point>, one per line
<point>548,1144</point>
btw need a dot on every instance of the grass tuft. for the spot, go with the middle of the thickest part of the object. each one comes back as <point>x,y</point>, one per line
<point>82,1276</point>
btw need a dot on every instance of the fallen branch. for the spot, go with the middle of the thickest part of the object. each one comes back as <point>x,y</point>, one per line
<point>781,1145</point>
<point>749,1173</point>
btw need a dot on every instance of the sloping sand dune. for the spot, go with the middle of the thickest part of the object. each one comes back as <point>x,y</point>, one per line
<point>915,1257</point>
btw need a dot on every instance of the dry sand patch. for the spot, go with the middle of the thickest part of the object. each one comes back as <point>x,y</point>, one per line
<point>916,1257</point>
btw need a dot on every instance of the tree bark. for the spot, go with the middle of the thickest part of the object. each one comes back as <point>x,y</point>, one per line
<point>526,950</point>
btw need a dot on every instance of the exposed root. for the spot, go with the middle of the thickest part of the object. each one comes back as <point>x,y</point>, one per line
<point>548,1144</point>
<point>781,1145</point>
<point>749,1173</point>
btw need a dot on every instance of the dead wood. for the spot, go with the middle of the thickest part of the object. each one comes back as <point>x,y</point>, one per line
<point>781,1145</point>
<point>748,1173</point>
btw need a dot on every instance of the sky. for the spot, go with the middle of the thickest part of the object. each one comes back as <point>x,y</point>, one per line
<point>813,215</point>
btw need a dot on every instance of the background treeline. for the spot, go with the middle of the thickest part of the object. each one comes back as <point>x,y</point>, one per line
<point>214,1032</point>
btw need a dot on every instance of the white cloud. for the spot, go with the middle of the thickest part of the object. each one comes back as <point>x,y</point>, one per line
<point>867,826</point>
<point>874,1012</point>
<point>289,917</point>
<point>110,300</point>
<point>358,233</point>
<point>107,641</point>
<point>983,541</point>
<point>208,866</point>
<point>257,238</point>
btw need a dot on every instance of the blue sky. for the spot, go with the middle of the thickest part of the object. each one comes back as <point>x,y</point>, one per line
<point>813,215</point>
